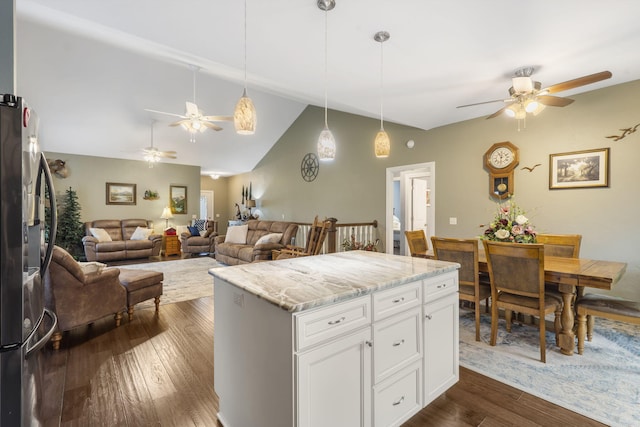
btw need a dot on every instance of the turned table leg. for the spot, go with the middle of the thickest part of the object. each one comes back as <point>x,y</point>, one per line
<point>156,300</point>
<point>567,337</point>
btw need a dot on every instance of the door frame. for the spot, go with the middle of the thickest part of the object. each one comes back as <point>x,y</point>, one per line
<point>408,171</point>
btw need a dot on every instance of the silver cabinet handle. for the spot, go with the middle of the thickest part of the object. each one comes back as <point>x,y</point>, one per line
<point>369,343</point>
<point>428,316</point>
<point>444,285</point>
<point>335,322</point>
<point>397,343</point>
<point>399,401</point>
<point>397,300</point>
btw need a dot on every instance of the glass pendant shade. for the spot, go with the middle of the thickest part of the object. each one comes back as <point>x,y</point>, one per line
<point>326,145</point>
<point>244,117</point>
<point>382,144</point>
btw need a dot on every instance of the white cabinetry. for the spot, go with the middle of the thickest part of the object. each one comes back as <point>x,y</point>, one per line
<point>441,345</point>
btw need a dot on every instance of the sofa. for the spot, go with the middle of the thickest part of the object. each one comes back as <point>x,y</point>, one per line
<point>114,240</point>
<point>236,250</point>
<point>201,243</point>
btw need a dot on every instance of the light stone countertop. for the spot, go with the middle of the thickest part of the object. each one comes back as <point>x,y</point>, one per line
<point>298,284</point>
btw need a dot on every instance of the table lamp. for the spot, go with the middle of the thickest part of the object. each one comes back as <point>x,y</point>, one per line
<point>166,215</point>
<point>250,204</point>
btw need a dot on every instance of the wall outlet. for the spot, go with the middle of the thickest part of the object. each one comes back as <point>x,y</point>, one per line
<point>238,299</point>
<point>282,216</point>
<point>453,220</point>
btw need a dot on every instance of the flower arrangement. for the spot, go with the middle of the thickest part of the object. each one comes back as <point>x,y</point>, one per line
<point>353,245</point>
<point>510,225</point>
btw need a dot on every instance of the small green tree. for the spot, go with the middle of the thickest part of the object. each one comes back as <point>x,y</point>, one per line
<point>70,228</point>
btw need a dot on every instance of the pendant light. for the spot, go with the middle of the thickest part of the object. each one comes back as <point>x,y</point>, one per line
<point>326,141</point>
<point>382,145</point>
<point>244,116</point>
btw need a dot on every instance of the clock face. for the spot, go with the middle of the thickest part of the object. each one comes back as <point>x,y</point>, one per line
<point>501,157</point>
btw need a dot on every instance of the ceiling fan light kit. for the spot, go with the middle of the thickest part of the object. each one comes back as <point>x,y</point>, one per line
<point>528,97</point>
<point>244,116</point>
<point>152,155</point>
<point>326,142</point>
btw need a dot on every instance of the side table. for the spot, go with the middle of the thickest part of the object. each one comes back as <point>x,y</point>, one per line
<point>170,245</point>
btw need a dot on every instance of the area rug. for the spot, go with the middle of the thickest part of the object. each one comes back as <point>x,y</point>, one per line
<point>602,384</point>
<point>184,279</point>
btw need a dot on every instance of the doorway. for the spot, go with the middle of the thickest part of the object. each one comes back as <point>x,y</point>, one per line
<point>206,204</point>
<point>410,204</point>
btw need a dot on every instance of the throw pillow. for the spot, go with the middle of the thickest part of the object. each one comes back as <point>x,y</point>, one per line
<point>207,233</point>
<point>100,234</point>
<point>193,230</point>
<point>270,238</point>
<point>141,233</point>
<point>237,234</point>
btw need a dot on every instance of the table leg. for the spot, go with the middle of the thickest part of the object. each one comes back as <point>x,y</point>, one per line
<point>566,340</point>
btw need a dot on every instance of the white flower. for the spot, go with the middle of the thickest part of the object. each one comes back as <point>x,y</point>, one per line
<point>521,219</point>
<point>502,234</point>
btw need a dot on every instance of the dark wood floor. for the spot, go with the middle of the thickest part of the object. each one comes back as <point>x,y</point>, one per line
<point>157,370</point>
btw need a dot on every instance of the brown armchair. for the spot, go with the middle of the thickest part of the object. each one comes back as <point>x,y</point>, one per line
<point>80,298</point>
<point>200,244</point>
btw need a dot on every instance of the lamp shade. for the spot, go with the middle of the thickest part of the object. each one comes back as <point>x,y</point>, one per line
<point>326,145</point>
<point>382,144</point>
<point>166,213</point>
<point>244,117</point>
<point>251,203</point>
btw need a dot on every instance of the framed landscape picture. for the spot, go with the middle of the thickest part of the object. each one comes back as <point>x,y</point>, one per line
<point>579,169</point>
<point>120,194</point>
<point>178,199</point>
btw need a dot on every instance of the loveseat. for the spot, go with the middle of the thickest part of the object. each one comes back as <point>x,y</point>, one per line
<point>204,242</point>
<point>114,240</point>
<point>244,245</point>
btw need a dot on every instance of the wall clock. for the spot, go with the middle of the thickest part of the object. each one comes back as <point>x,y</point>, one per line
<point>501,159</point>
<point>309,167</point>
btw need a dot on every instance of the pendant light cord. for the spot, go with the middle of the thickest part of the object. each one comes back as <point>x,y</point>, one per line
<point>245,46</point>
<point>381,90</point>
<point>326,12</point>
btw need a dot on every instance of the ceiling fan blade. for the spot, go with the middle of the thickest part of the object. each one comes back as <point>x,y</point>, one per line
<point>554,101</point>
<point>218,118</point>
<point>167,154</point>
<point>497,113</point>
<point>180,122</point>
<point>164,112</point>
<point>485,102</point>
<point>211,126</point>
<point>580,81</point>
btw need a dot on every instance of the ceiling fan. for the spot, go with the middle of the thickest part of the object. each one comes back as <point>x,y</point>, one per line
<point>194,120</point>
<point>152,155</point>
<point>528,96</point>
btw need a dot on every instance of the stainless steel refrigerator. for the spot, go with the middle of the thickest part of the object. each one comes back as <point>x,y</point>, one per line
<point>25,324</point>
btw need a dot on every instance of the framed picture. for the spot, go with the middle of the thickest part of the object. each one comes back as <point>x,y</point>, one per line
<point>178,199</point>
<point>579,169</point>
<point>121,194</point>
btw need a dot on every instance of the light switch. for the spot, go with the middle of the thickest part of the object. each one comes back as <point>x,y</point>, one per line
<point>453,220</point>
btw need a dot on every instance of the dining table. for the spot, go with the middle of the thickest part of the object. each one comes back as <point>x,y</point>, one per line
<point>572,275</point>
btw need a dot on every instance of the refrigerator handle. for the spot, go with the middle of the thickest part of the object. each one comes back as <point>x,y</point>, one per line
<point>53,217</point>
<point>42,341</point>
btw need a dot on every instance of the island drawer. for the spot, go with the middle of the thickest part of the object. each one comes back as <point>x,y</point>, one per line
<point>439,286</point>
<point>398,397</point>
<point>322,324</point>
<point>397,342</point>
<point>396,300</point>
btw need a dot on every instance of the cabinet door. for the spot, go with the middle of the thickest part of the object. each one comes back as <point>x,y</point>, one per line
<point>441,347</point>
<point>334,383</point>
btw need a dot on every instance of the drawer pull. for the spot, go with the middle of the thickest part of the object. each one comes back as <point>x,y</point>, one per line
<point>369,343</point>
<point>399,401</point>
<point>335,322</point>
<point>428,316</point>
<point>397,300</point>
<point>397,343</point>
<point>444,285</point>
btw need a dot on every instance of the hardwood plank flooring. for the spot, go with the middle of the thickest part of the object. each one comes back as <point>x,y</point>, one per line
<point>157,370</point>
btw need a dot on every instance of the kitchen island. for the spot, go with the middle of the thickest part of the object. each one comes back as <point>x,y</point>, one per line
<point>347,339</point>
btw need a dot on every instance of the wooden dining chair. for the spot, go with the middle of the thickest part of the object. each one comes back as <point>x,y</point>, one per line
<point>417,241</point>
<point>465,253</point>
<point>562,245</point>
<point>516,271</point>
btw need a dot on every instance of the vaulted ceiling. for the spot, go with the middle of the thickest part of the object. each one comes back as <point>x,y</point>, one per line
<point>92,67</point>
